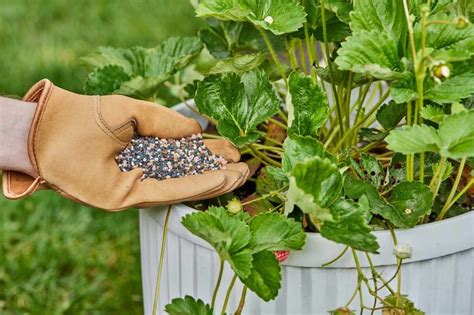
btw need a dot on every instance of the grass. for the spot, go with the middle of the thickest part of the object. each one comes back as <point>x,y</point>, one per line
<point>58,257</point>
<point>46,38</point>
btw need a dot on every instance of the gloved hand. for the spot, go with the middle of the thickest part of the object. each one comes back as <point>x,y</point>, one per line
<point>73,141</point>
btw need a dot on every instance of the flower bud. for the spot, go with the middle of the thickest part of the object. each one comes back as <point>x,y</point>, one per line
<point>403,251</point>
<point>234,206</point>
<point>268,19</point>
<point>441,71</point>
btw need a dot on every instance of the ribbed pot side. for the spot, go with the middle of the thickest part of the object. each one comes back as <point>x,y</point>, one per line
<point>439,277</point>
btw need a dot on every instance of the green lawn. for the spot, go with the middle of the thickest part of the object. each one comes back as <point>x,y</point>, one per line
<point>58,257</point>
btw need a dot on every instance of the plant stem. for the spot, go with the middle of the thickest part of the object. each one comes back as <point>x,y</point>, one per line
<point>283,116</point>
<point>328,61</point>
<point>273,193</point>
<point>242,301</point>
<point>399,262</point>
<point>278,123</point>
<point>459,195</point>
<point>227,295</point>
<point>267,147</point>
<point>160,265</point>
<point>218,284</point>
<point>410,31</point>
<point>378,275</point>
<point>302,56</point>
<point>337,257</point>
<point>353,294</point>
<point>436,180</point>
<point>453,190</point>
<point>374,277</point>
<point>273,53</point>
<point>291,55</point>
<point>387,282</point>
<point>309,48</point>
<point>211,136</point>
<point>409,157</point>
<point>263,157</point>
<point>362,121</point>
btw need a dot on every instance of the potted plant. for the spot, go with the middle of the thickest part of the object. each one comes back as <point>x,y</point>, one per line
<point>357,121</point>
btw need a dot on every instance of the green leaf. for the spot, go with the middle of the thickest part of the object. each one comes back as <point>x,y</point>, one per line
<point>404,90</point>
<point>297,149</point>
<point>407,306</point>
<point>385,17</point>
<point>354,188</point>
<point>239,64</point>
<point>340,77</point>
<point>226,39</point>
<point>314,185</point>
<point>452,89</point>
<point>232,10</point>
<point>434,113</point>
<point>273,231</point>
<point>390,114</point>
<point>227,234</point>
<point>350,227</point>
<point>371,53</point>
<point>265,277</point>
<point>237,103</point>
<point>140,87</point>
<point>171,55</point>
<point>308,109</point>
<point>125,58</point>
<point>105,80</point>
<point>313,12</point>
<point>413,139</point>
<point>452,140</point>
<point>338,30</point>
<point>277,16</point>
<point>411,201</point>
<point>446,36</point>
<point>146,68</point>
<point>456,133</point>
<point>188,306</point>
<point>341,8</point>
<point>269,180</point>
<point>221,37</point>
<point>372,134</point>
<point>373,170</point>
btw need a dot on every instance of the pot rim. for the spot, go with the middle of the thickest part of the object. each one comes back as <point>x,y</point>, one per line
<point>428,241</point>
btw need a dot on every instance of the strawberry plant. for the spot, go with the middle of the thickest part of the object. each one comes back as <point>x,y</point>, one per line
<point>352,115</point>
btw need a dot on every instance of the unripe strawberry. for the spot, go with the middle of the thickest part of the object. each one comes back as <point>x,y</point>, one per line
<point>234,206</point>
<point>462,22</point>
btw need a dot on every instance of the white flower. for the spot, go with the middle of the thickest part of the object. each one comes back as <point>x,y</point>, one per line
<point>403,251</point>
<point>445,71</point>
<point>268,19</point>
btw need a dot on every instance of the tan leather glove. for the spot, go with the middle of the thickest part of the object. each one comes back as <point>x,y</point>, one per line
<point>74,139</point>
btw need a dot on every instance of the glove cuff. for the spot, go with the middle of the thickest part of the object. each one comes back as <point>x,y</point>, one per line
<point>17,185</point>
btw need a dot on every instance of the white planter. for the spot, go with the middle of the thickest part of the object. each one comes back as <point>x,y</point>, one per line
<point>439,277</point>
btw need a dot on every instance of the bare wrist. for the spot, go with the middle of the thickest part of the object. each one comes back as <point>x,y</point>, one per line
<point>15,121</point>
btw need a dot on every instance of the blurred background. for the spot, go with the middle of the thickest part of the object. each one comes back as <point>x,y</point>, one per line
<point>58,257</point>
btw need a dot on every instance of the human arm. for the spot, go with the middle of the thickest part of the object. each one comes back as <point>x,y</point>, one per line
<point>74,139</point>
<point>15,121</point>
